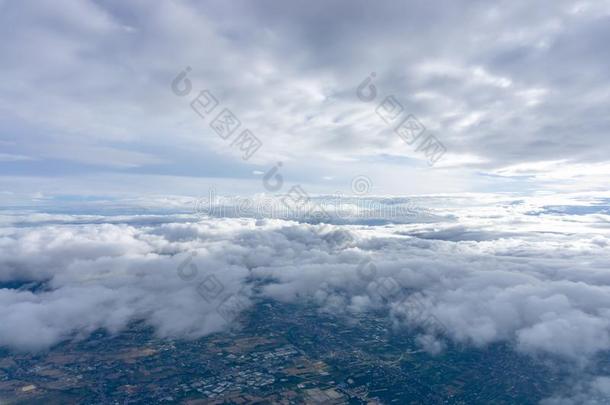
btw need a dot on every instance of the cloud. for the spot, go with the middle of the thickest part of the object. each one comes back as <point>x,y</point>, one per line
<point>546,292</point>
<point>104,276</point>
<point>503,86</point>
<point>592,392</point>
<point>7,157</point>
<point>475,270</point>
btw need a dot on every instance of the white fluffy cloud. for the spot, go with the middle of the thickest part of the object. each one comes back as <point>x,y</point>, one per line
<point>480,271</point>
<point>486,274</point>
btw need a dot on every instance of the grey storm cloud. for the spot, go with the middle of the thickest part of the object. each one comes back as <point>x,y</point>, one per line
<point>500,83</point>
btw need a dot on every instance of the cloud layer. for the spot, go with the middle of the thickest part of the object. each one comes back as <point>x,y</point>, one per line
<point>471,270</point>
<point>515,272</point>
<point>513,90</point>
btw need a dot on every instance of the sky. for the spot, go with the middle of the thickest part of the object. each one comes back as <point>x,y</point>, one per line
<point>515,92</point>
<point>461,148</point>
